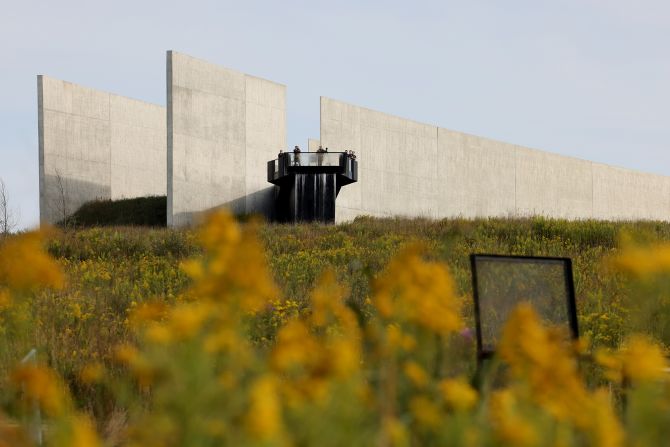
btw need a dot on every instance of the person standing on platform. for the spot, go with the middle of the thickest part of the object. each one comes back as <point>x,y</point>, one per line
<point>296,156</point>
<point>320,151</point>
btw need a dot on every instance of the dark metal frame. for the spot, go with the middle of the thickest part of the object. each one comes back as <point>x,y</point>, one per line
<point>346,168</point>
<point>569,283</point>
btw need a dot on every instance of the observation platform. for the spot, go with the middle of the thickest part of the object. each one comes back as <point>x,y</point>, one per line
<point>308,184</point>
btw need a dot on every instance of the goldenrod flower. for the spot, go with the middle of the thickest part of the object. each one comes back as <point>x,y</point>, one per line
<point>264,416</point>
<point>644,261</point>
<point>83,434</point>
<point>233,270</point>
<point>458,394</point>
<point>344,355</point>
<point>126,354</point>
<point>295,347</point>
<point>25,265</point>
<point>545,360</point>
<point>508,424</point>
<point>147,312</point>
<point>418,291</point>
<point>158,333</point>
<point>398,339</point>
<point>92,372</point>
<point>605,428</point>
<point>5,298</point>
<point>396,432</point>
<point>41,384</point>
<point>426,412</point>
<point>638,360</point>
<point>185,320</point>
<point>416,374</point>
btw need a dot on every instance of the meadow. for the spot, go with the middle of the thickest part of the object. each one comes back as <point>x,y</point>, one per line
<point>355,334</point>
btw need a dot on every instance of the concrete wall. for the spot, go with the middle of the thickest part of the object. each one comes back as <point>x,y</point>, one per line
<point>223,126</point>
<point>313,144</point>
<point>622,194</point>
<point>96,145</point>
<point>413,169</point>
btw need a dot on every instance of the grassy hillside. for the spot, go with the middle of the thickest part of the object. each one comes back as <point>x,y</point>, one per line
<point>112,271</point>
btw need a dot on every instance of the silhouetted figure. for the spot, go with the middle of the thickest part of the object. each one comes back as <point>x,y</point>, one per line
<point>296,156</point>
<point>319,158</point>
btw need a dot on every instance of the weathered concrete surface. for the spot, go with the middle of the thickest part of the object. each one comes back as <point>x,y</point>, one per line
<point>138,148</point>
<point>413,169</point>
<point>476,176</point>
<point>552,185</point>
<point>623,194</point>
<point>95,145</point>
<point>384,187</point>
<point>223,126</point>
<point>313,144</point>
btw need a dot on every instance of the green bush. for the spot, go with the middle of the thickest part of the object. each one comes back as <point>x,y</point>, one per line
<point>142,211</point>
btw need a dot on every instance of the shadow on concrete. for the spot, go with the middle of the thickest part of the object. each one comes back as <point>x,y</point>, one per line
<point>260,203</point>
<point>61,196</point>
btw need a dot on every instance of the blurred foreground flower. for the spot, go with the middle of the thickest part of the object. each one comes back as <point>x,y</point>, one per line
<point>24,264</point>
<point>643,261</point>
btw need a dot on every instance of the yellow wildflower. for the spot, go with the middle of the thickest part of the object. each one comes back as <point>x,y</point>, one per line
<point>458,394</point>
<point>295,347</point>
<point>233,270</point>
<point>41,384</point>
<point>227,379</point>
<point>5,298</point>
<point>193,268</point>
<point>421,292</point>
<point>92,372</point>
<point>644,261</point>
<point>83,434</point>
<point>605,428</point>
<point>326,298</point>
<point>126,354</point>
<point>345,356</point>
<point>545,360</point>
<point>425,411</point>
<point>398,339</point>
<point>264,416</point>
<point>643,360</point>
<point>158,333</point>
<point>638,360</point>
<point>147,312</point>
<point>220,230</point>
<point>613,369</point>
<point>509,426</point>
<point>416,374</point>
<point>396,432</point>
<point>25,265</point>
<point>185,321</point>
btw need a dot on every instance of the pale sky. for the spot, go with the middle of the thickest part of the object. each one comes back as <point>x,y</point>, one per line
<point>585,78</point>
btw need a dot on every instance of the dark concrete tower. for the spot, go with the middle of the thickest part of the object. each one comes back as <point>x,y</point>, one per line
<point>307,184</point>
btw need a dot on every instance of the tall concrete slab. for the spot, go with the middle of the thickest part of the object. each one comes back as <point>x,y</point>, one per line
<point>222,128</point>
<point>340,131</point>
<point>624,194</point>
<point>313,144</point>
<point>138,148</point>
<point>476,176</point>
<point>389,182</point>
<point>414,169</point>
<point>265,127</point>
<point>95,145</point>
<point>552,185</point>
